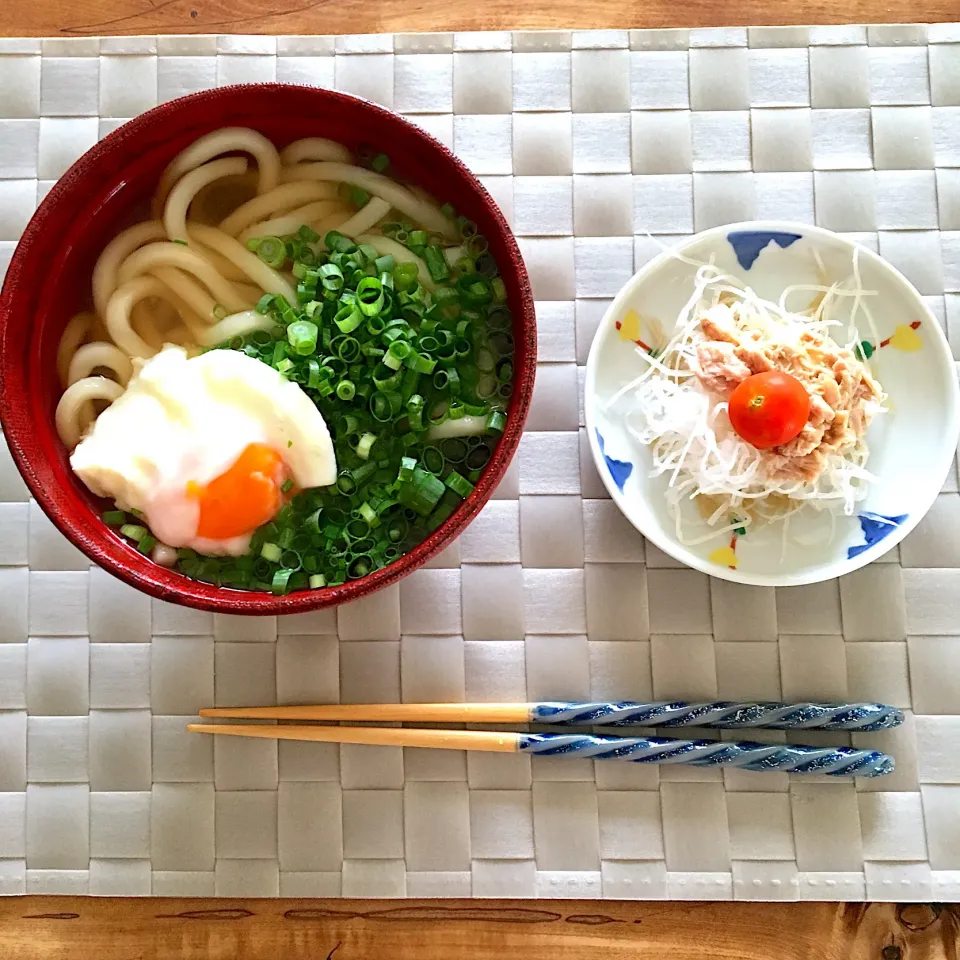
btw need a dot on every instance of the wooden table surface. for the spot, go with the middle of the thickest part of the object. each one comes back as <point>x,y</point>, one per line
<point>73,928</point>
<point>93,17</point>
<point>76,928</point>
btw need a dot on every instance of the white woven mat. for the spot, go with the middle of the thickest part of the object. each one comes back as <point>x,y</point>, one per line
<point>586,140</point>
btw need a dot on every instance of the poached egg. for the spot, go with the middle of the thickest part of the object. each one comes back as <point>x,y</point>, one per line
<point>206,448</point>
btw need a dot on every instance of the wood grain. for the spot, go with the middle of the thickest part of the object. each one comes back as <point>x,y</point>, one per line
<point>96,17</point>
<point>383,712</point>
<point>483,740</point>
<point>67,928</point>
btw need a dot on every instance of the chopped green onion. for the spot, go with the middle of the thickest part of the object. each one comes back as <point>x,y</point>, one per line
<point>405,275</point>
<point>496,422</point>
<point>348,348</point>
<point>331,276</point>
<point>345,483</point>
<point>370,296</point>
<point>433,460</point>
<point>486,266</point>
<point>380,162</point>
<point>115,518</point>
<point>272,251</point>
<point>439,413</point>
<point>316,581</point>
<point>421,493</point>
<point>359,197</point>
<point>286,486</point>
<point>348,318</point>
<point>312,523</point>
<point>302,336</point>
<point>415,412</point>
<point>459,485</point>
<point>436,263</point>
<point>366,442</point>
<point>338,242</point>
<point>454,449</point>
<point>271,552</point>
<point>147,543</point>
<point>281,582</point>
<point>385,378</point>
<point>439,516</point>
<point>133,531</point>
<point>397,352</point>
<point>369,515</point>
<point>420,363</point>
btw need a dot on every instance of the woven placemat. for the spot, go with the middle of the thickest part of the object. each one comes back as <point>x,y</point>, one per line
<point>587,140</point>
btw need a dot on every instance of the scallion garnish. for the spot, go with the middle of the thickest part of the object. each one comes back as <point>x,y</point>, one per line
<point>272,251</point>
<point>459,485</point>
<point>413,384</point>
<point>271,552</point>
<point>302,336</point>
<point>147,543</point>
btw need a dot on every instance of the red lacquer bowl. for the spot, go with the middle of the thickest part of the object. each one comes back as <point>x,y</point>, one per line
<point>106,190</point>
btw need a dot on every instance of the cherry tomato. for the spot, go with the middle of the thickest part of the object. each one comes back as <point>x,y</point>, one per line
<point>769,409</point>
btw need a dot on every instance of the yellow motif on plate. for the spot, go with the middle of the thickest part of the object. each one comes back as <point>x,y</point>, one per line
<point>725,556</point>
<point>646,332</point>
<point>906,338</point>
<point>629,327</point>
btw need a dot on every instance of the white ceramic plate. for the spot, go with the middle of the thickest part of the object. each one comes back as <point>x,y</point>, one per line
<point>911,446</point>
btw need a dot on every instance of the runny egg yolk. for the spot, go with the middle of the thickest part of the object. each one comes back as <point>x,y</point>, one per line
<point>245,496</point>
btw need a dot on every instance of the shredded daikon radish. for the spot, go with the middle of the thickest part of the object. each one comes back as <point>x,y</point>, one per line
<point>687,428</point>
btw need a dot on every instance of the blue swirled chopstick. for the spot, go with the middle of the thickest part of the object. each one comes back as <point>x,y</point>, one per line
<point>831,761</point>
<point>786,758</point>
<point>724,714</point>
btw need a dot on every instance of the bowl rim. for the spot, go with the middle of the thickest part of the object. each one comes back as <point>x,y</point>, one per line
<point>826,571</point>
<point>168,585</point>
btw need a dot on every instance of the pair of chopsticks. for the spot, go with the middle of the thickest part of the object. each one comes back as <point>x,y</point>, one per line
<point>725,715</point>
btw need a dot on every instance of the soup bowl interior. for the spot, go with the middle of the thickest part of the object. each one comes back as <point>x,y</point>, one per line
<point>108,189</point>
<point>912,444</point>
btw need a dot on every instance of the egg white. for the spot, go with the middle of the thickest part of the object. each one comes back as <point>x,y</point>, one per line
<point>182,420</point>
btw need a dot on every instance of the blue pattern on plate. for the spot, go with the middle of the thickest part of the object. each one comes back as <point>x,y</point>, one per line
<point>747,244</point>
<point>875,527</point>
<point>620,470</point>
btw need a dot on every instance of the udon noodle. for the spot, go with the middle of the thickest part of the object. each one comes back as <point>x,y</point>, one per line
<point>184,278</point>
